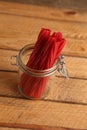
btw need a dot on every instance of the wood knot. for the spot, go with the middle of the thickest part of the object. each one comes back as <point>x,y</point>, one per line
<point>70,12</point>
<point>82,49</point>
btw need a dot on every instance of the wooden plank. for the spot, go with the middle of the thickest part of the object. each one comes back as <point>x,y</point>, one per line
<point>57,4</point>
<point>5,63</point>
<point>38,11</point>
<point>63,90</point>
<point>7,128</point>
<point>76,65</point>
<point>73,47</point>
<point>8,84</point>
<point>24,113</point>
<point>21,27</point>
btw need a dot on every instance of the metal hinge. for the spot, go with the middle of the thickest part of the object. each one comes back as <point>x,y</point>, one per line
<point>62,68</point>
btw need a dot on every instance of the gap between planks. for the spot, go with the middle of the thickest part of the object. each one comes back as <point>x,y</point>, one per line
<point>32,127</point>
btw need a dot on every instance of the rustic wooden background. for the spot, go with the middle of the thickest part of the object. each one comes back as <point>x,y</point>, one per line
<point>65,107</point>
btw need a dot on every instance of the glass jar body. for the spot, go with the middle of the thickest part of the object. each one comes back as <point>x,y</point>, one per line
<point>34,84</point>
<point>36,87</point>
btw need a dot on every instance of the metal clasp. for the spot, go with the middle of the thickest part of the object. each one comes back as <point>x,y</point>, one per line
<point>62,68</point>
<point>12,58</point>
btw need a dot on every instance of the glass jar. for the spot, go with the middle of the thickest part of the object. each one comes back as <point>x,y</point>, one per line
<point>35,84</point>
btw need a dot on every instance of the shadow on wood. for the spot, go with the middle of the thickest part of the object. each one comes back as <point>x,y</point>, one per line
<point>74,4</point>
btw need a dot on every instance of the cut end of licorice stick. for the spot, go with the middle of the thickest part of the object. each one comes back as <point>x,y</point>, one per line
<point>46,51</point>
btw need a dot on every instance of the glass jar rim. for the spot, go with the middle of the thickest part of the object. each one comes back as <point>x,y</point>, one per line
<point>34,72</point>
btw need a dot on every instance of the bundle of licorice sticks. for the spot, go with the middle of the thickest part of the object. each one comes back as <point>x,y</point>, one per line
<point>44,55</point>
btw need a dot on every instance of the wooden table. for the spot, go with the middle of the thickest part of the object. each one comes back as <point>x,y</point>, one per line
<point>66,109</point>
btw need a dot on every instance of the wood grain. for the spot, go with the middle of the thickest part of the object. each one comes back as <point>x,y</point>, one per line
<point>8,84</point>
<point>24,112</point>
<point>27,26</point>
<point>73,47</point>
<point>7,128</point>
<point>65,103</point>
<point>76,65</point>
<point>22,31</point>
<point>63,90</point>
<point>5,62</point>
<point>32,10</point>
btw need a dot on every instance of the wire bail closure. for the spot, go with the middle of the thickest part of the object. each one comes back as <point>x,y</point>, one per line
<point>62,68</point>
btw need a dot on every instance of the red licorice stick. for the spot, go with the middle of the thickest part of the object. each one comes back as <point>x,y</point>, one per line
<point>36,54</point>
<point>39,48</point>
<point>46,51</point>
